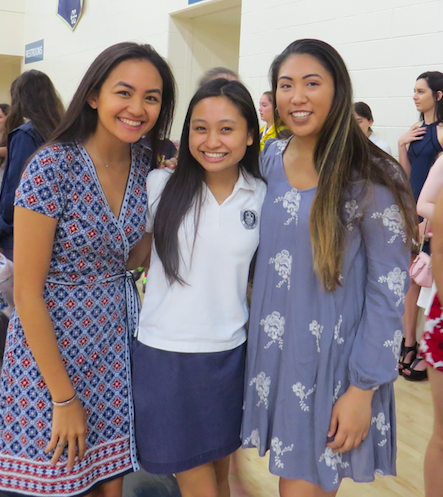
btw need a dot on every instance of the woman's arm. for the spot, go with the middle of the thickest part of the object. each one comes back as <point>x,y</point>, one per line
<point>33,241</point>
<point>374,355</point>
<point>3,152</point>
<point>429,193</point>
<point>437,245</point>
<point>141,253</point>
<point>415,133</point>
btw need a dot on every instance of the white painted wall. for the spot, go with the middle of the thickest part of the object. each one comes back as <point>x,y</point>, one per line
<point>12,27</point>
<point>386,44</point>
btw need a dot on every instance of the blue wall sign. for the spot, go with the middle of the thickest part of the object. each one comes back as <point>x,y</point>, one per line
<point>34,52</point>
<point>70,11</point>
<point>193,1</point>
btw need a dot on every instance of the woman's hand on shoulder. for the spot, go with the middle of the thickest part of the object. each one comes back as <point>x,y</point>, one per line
<point>169,164</point>
<point>68,431</point>
<point>350,420</point>
<point>416,132</point>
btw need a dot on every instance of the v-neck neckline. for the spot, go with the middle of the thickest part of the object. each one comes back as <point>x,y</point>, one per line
<point>128,186</point>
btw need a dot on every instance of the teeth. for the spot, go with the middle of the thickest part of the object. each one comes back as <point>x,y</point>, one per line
<point>215,155</point>
<point>301,114</point>
<point>129,122</point>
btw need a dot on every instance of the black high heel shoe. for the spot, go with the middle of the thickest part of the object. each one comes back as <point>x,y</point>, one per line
<point>415,374</point>
<point>402,364</point>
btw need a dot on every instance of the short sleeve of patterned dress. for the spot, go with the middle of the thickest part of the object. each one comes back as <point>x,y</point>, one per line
<point>39,189</point>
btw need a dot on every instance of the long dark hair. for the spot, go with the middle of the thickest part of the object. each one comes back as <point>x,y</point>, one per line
<point>81,119</point>
<point>34,97</point>
<point>363,110</point>
<point>185,187</point>
<point>342,156</point>
<point>435,83</point>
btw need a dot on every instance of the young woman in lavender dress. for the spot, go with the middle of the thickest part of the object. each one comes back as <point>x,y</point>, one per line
<point>331,276</point>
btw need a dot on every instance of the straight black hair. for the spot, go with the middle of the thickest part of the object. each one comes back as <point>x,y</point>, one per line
<point>435,83</point>
<point>185,187</point>
<point>81,119</point>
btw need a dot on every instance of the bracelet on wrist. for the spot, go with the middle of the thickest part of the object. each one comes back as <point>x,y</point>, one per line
<point>65,402</point>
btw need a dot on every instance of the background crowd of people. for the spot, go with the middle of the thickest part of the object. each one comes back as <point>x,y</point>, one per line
<point>92,386</point>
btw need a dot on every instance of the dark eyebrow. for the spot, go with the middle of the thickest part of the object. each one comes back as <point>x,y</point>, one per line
<point>221,121</point>
<point>127,85</point>
<point>313,75</point>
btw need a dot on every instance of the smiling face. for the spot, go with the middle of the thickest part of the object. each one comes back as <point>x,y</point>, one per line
<point>364,124</point>
<point>218,134</point>
<point>305,91</point>
<point>129,101</point>
<point>423,97</point>
<point>265,109</point>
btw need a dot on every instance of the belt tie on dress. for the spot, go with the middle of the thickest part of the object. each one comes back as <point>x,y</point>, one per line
<point>133,305</point>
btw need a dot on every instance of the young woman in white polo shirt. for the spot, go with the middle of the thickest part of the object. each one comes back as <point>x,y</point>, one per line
<point>188,363</point>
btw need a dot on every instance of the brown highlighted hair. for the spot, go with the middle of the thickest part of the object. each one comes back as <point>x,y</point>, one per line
<point>343,156</point>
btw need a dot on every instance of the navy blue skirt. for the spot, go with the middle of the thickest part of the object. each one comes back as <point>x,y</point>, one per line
<point>188,407</point>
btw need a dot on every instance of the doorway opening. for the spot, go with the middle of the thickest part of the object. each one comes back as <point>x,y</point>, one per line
<point>201,37</point>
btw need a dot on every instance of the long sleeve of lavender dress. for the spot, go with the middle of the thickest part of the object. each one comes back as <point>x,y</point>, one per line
<point>374,356</point>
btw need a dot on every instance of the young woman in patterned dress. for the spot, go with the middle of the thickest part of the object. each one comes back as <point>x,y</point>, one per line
<point>66,401</point>
<point>326,317</point>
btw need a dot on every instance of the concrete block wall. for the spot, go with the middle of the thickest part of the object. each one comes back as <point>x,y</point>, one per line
<point>386,44</point>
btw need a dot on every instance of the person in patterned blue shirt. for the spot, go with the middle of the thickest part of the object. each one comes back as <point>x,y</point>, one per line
<point>66,416</point>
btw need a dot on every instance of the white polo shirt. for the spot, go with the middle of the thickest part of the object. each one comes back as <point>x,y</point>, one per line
<point>209,313</point>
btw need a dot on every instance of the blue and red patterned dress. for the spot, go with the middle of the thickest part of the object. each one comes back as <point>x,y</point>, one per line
<point>93,304</point>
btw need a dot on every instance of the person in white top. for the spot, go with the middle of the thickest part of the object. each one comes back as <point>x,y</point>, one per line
<point>363,114</point>
<point>188,361</point>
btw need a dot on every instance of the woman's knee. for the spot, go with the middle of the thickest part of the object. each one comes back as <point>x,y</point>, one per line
<point>302,488</point>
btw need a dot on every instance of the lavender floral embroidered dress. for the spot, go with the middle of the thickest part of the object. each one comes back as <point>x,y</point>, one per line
<point>306,346</point>
<point>93,305</point>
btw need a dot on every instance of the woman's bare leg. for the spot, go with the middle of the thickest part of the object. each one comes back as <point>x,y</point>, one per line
<point>221,468</point>
<point>302,488</point>
<point>434,452</point>
<point>113,488</point>
<point>198,482</point>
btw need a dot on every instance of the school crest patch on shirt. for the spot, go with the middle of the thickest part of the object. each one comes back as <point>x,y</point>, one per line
<point>249,218</point>
<point>70,11</point>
